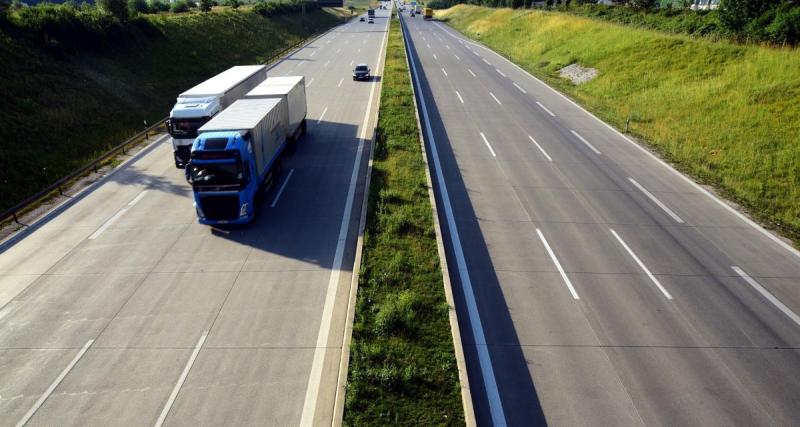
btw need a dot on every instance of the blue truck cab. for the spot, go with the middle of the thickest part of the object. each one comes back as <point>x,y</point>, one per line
<point>235,158</point>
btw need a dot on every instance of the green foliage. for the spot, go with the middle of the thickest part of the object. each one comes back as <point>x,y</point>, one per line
<point>179,6</point>
<point>402,366</point>
<point>117,8</point>
<point>271,8</point>
<point>205,5</point>
<point>234,4</point>
<point>138,6</point>
<point>156,6</point>
<point>726,113</point>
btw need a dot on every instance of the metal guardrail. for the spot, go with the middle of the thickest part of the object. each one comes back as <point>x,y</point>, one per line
<point>15,211</point>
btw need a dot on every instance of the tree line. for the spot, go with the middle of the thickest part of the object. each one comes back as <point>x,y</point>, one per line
<point>775,22</point>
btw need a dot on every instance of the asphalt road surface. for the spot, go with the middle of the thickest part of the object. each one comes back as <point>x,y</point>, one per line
<point>122,310</point>
<point>595,285</point>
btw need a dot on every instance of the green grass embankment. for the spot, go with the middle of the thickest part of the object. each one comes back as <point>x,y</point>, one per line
<point>402,364</point>
<point>66,101</point>
<point>727,114</point>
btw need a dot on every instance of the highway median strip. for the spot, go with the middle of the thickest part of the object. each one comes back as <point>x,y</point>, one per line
<point>402,363</point>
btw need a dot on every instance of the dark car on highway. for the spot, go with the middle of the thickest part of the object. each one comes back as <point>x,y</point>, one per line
<point>361,72</point>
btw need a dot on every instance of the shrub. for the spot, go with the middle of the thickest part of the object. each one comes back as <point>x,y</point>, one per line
<point>137,6</point>
<point>785,27</point>
<point>117,8</point>
<point>233,4</point>
<point>205,5</point>
<point>180,6</point>
<point>156,6</point>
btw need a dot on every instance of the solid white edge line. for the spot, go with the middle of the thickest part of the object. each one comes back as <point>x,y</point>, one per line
<point>768,295</point>
<point>520,88</point>
<point>644,150</point>
<point>181,380</point>
<point>315,377</point>
<point>459,97</point>
<point>583,140</point>
<point>484,358</point>
<point>470,71</point>
<point>561,271</point>
<point>540,148</point>
<point>545,109</point>
<point>656,201</point>
<point>500,72</point>
<point>495,99</point>
<point>486,141</point>
<point>322,115</point>
<point>53,385</point>
<point>280,190</point>
<point>641,264</point>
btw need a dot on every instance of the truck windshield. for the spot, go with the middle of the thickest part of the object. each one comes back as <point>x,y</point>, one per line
<point>186,128</point>
<point>219,175</point>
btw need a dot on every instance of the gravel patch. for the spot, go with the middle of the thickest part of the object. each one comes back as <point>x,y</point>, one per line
<point>577,74</point>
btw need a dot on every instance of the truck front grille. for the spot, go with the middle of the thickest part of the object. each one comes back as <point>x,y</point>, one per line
<point>220,208</point>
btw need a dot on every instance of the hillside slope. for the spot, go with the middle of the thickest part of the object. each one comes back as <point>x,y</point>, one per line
<point>64,104</point>
<point>727,114</point>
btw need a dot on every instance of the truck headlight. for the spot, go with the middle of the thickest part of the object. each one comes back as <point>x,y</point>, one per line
<point>243,210</point>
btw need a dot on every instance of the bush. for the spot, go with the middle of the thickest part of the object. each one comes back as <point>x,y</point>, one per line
<point>156,6</point>
<point>137,6</point>
<point>117,8</point>
<point>180,6</point>
<point>233,4</point>
<point>205,5</point>
<point>785,27</point>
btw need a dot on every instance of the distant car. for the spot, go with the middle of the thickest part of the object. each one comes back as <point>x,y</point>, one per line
<point>371,21</point>
<point>361,19</point>
<point>361,72</point>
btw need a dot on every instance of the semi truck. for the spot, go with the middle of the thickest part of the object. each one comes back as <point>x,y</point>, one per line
<point>428,14</point>
<point>236,157</point>
<point>418,8</point>
<point>292,89</point>
<point>199,104</point>
<point>371,13</point>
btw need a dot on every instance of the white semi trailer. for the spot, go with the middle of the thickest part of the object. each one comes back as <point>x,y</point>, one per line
<point>292,89</point>
<point>199,104</point>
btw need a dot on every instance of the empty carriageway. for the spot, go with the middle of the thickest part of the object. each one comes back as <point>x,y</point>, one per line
<point>122,310</point>
<point>594,284</point>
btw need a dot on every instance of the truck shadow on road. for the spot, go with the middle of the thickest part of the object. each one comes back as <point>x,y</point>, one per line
<point>512,370</point>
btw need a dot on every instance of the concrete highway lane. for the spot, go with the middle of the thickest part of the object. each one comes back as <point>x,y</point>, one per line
<point>594,284</point>
<point>122,310</point>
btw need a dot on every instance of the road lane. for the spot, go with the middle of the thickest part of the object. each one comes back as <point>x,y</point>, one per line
<point>152,282</point>
<point>718,352</point>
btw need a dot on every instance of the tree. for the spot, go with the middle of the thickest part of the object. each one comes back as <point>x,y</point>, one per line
<point>117,8</point>
<point>137,6</point>
<point>734,15</point>
<point>205,5</point>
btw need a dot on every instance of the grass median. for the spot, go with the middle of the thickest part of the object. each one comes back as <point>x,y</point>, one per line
<point>402,364</point>
<point>727,114</point>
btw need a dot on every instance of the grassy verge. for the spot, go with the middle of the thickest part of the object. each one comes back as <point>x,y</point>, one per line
<point>65,103</point>
<point>727,114</point>
<point>402,365</point>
